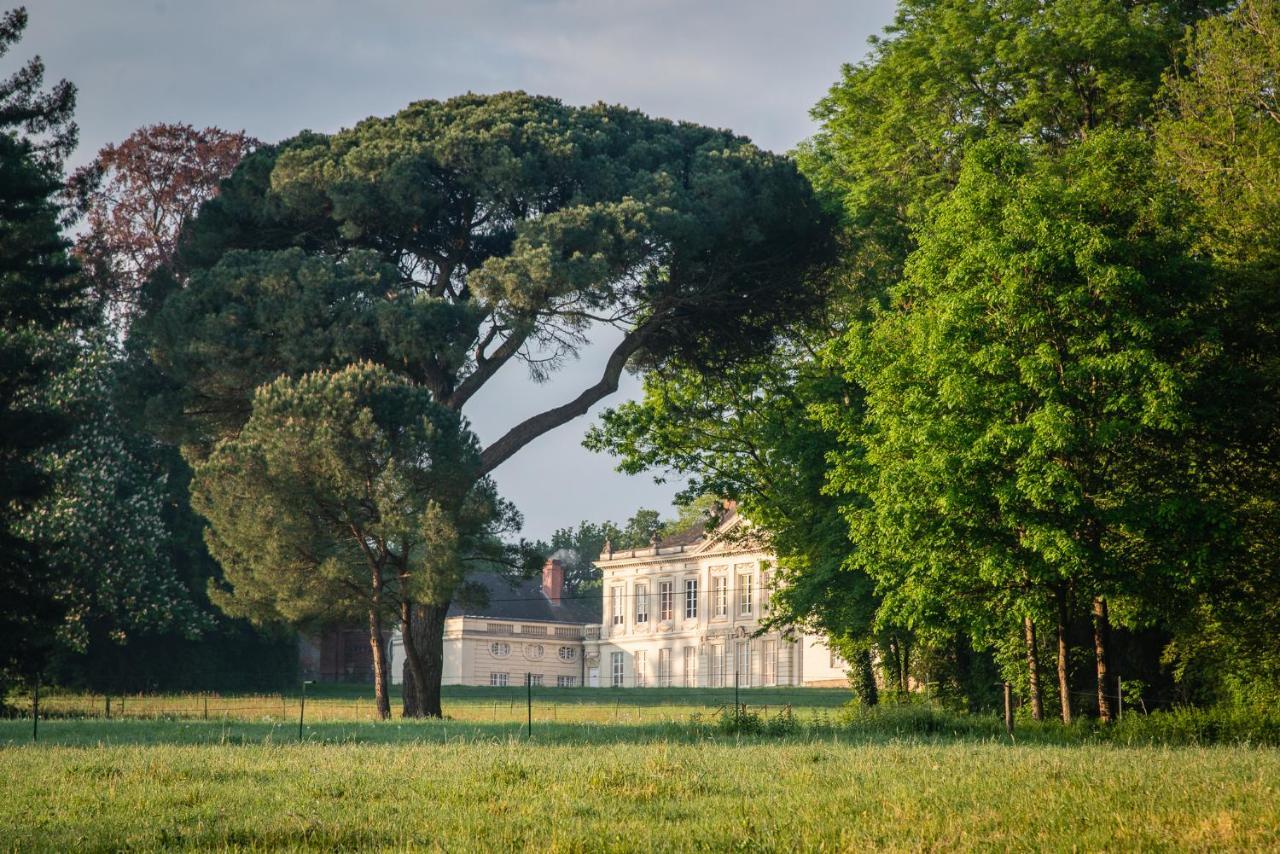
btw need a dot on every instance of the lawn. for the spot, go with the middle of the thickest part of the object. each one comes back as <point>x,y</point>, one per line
<point>625,770</point>
<point>623,788</point>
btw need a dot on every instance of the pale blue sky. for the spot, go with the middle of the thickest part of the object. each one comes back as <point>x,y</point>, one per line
<point>274,68</point>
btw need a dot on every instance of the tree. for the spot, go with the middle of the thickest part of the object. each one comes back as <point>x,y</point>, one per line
<point>348,493</point>
<point>136,196</point>
<point>458,236</point>
<point>1029,394</point>
<point>1218,139</point>
<point>38,292</point>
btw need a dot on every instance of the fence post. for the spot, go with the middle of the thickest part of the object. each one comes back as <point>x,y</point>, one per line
<point>302,706</point>
<point>737,709</point>
<point>1008,708</point>
<point>1119,698</point>
<point>206,707</point>
<point>106,702</point>
<point>35,710</point>
<point>528,690</point>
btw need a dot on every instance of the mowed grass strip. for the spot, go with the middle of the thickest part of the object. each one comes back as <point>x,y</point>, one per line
<point>491,794</point>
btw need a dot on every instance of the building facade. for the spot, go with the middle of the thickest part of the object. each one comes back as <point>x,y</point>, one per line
<point>513,630</point>
<point>687,611</point>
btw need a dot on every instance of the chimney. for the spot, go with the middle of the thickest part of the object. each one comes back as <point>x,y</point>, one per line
<point>553,581</point>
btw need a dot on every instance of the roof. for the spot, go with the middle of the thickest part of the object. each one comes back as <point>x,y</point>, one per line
<point>699,532</point>
<point>494,596</point>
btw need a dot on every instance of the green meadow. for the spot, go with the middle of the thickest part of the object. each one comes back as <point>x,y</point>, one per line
<point>604,776</point>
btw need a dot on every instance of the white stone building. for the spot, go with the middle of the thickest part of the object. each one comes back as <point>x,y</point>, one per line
<point>685,612</point>
<point>512,629</point>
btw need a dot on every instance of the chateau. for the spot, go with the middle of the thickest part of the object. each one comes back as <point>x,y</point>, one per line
<point>683,612</point>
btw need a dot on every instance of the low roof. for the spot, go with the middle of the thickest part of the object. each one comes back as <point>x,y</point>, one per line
<point>501,598</point>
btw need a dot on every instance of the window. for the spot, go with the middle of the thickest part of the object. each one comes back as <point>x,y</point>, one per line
<point>835,661</point>
<point>691,598</point>
<point>499,649</point>
<point>664,600</point>
<point>770,670</point>
<point>766,588</point>
<point>720,595</point>
<point>566,681</point>
<point>568,653</point>
<point>745,597</point>
<point>533,651</point>
<point>690,667</point>
<point>638,666</point>
<point>664,668</point>
<point>535,679</point>
<point>717,665</point>
<point>642,603</point>
<point>497,679</point>
<point>742,667</point>
<point>615,606</point>
<point>617,672</point>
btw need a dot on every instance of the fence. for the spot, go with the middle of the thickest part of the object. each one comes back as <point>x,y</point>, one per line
<point>519,703</point>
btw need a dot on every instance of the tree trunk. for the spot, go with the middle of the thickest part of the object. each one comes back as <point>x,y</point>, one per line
<point>865,678</point>
<point>1101,644</point>
<point>1033,670</point>
<point>414,674</point>
<point>1064,651</point>
<point>380,697</point>
<point>428,650</point>
<point>902,667</point>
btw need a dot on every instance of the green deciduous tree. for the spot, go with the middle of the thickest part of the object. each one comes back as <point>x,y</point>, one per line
<point>1028,396</point>
<point>1218,139</point>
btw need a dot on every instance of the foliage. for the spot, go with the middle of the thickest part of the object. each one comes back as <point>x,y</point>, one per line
<point>101,521</point>
<point>39,293</point>
<point>136,196</point>
<point>348,493</point>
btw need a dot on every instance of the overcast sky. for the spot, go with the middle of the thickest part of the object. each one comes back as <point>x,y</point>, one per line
<point>274,68</point>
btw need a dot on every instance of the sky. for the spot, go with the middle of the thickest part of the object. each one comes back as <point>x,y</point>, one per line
<point>274,68</point>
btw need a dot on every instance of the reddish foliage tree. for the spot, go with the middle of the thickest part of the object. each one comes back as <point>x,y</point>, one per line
<point>135,197</point>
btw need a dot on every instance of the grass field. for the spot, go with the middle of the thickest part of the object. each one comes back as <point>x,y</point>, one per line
<point>603,781</point>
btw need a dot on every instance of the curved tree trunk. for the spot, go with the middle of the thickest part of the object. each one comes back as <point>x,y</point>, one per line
<point>1033,670</point>
<point>428,652</point>
<point>1064,653</point>
<point>379,650</point>
<point>414,674</point>
<point>1101,645</point>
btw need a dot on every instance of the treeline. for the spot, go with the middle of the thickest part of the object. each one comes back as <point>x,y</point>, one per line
<point>103,567</point>
<point>1034,436</point>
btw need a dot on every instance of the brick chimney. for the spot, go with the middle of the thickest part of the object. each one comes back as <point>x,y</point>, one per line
<point>553,581</point>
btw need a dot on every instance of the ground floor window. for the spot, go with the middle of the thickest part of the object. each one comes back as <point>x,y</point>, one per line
<point>535,679</point>
<point>566,681</point>
<point>639,668</point>
<point>690,667</point>
<point>742,672</point>
<point>497,679</point>
<point>717,666</point>
<point>770,656</point>
<point>664,668</point>
<point>618,669</point>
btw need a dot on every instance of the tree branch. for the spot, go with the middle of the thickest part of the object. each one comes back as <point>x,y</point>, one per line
<point>531,428</point>
<point>486,368</point>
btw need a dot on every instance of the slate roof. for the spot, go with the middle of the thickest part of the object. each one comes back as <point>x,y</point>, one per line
<point>497,597</point>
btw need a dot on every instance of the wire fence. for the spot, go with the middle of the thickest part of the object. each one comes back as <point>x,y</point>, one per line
<point>622,704</point>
